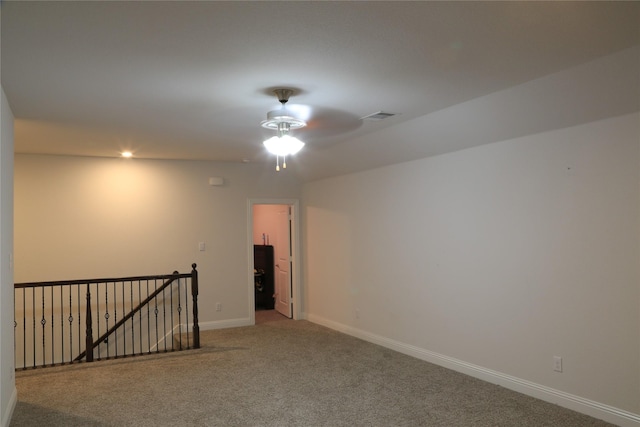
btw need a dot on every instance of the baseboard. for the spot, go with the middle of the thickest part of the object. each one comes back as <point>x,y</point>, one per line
<point>223,324</point>
<point>8,414</point>
<point>548,394</point>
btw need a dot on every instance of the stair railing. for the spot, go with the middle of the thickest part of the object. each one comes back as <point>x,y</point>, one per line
<point>156,319</point>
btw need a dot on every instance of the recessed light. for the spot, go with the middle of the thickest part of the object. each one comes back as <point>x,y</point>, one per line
<point>127,154</point>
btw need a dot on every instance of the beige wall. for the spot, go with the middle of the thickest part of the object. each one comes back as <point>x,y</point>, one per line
<point>82,217</point>
<point>492,260</point>
<point>7,377</point>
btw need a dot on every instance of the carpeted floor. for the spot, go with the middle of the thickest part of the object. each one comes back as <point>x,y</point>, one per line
<point>278,373</point>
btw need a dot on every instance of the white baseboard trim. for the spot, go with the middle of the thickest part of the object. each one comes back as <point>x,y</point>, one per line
<point>8,414</point>
<point>576,403</point>
<point>223,324</point>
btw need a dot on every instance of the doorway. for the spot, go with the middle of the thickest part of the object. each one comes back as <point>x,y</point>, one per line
<point>273,230</point>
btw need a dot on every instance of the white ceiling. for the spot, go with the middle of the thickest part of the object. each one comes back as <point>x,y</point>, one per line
<point>192,80</point>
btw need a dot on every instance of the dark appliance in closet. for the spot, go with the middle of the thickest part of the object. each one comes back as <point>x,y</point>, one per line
<point>264,276</point>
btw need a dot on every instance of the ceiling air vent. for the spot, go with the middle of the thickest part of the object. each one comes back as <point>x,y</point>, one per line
<point>380,115</point>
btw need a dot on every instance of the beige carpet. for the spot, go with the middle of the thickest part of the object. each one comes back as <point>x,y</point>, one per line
<point>278,373</point>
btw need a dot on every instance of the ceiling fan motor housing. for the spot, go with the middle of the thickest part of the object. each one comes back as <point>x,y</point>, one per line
<point>282,120</point>
<point>283,94</point>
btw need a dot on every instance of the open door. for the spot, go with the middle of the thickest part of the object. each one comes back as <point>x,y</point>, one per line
<point>283,261</point>
<point>273,223</point>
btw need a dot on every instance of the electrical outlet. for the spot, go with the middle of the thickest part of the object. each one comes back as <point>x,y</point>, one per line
<point>218,307</point>
<point>557,363</point>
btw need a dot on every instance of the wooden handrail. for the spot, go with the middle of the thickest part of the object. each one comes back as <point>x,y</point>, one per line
<point>87,281</point>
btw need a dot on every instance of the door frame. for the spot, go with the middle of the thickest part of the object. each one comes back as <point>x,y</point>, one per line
<point>296,297</point>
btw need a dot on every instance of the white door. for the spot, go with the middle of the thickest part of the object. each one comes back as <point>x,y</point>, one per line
<point>283,261</point>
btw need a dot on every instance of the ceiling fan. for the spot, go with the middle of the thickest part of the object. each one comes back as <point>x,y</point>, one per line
<point>317,125</point>
<point>283,121</point>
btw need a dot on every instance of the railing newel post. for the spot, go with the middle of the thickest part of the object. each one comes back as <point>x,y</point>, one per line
<point>194,295</point>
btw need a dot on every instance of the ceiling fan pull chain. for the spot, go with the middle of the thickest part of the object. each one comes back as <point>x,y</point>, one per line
<point>277,163</point>
<point>284,162</point>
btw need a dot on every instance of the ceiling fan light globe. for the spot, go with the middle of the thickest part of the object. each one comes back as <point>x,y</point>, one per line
<point>292,143</point>
<point>285,145</point>
<point>273,146</point>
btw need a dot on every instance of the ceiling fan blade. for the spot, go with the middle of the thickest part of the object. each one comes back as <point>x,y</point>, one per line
<point>327,122</point>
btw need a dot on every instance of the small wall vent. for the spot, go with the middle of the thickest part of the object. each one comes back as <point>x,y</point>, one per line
<point>380,115</point>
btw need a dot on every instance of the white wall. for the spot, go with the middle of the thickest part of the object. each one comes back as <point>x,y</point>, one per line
<point>493,260</point>
<point>8,396</point>
<point>79,217</point>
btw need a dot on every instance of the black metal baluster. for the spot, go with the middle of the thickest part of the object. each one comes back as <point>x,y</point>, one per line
<point>148,321</point>
<point>53,341</point>
<point>124,329</point>
<point>133,338</point>
<point>62,322</point>
<point>24,329</point>
<point>106,314</point>
<point>79,320</point>
<point>140,315</point>
<point>186,309</point>
<point>155,299</point>
<point>33,326</point>
<point>179,316</point>
<point>70,325</point>
<point>171,324</point>
<point>98,345</point>
<point>43,322</point>
<point>115,317</point>
<point>33,315</point>
<point>15,324</point>
<point>164,320</point>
